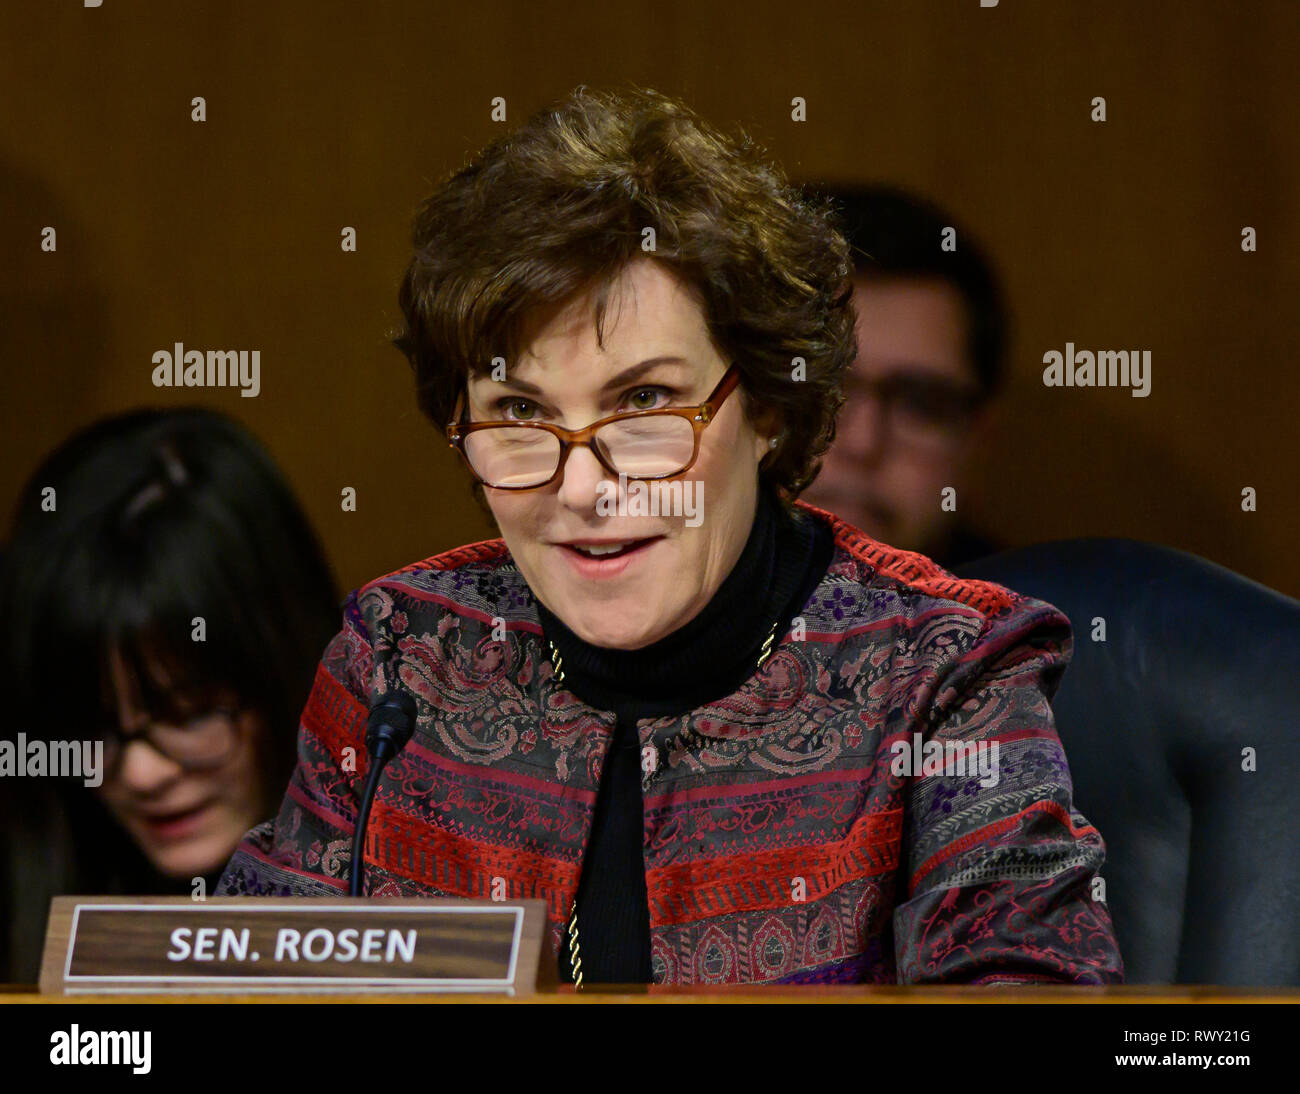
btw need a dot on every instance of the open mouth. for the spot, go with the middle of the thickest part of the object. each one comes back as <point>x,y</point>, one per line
<point>174,824</point>
<point>610,550</point>
<point>607,560</point>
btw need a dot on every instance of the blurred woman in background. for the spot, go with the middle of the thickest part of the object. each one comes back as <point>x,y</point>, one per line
<point>164,594</point>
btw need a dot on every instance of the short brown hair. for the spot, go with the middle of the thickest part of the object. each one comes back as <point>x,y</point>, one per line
<point>560,206</point>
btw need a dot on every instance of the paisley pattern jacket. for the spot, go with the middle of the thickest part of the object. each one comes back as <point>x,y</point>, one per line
<point>802,829</point>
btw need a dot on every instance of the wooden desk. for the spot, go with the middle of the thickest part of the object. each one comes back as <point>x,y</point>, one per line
<point>742,993</point>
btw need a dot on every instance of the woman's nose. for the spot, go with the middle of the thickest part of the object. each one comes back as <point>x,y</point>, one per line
<point>143,769</point>
<point>580,479</point>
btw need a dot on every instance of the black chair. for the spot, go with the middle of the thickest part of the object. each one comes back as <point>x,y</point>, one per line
<point>1197,667</point>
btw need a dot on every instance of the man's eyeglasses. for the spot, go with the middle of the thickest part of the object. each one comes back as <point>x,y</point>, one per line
<point>923,411</point>
<point>202,743</point>
<point>639,444</point>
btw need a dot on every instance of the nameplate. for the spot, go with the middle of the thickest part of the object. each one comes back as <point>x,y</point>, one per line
<point>244,945</point>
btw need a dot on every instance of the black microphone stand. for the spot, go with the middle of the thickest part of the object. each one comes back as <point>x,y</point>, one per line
<point>389,727</point>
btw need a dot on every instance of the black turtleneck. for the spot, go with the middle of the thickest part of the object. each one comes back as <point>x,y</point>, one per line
<point>782,562</point>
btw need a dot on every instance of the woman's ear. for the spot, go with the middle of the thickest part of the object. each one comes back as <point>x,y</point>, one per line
<point>768,427</point>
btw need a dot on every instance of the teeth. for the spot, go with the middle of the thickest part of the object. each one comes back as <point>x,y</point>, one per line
<point>606,550</point>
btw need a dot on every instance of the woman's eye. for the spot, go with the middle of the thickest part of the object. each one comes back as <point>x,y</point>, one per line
<point>642,398</point>
<point>654,392</point>
<point>518,410</point>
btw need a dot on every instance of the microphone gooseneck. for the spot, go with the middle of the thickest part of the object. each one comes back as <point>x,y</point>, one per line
<point>389,727</point>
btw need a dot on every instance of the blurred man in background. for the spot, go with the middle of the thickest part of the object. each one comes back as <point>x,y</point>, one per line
<point>931,332</point>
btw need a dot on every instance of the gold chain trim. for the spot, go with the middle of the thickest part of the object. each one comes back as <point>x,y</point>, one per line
<point>558,662</point>
<point>766,651</point>
<point>575,958</point>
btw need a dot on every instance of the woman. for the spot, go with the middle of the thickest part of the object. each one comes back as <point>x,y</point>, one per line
<point>669,700</point>
<point>160,556</point>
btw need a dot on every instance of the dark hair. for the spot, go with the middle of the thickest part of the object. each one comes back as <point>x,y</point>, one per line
<point>560,206</point>
<point>893,233</point>
<point>127,532</point>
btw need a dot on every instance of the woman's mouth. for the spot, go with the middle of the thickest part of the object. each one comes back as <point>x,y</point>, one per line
<point>175,825</point>
<point>607,558</point>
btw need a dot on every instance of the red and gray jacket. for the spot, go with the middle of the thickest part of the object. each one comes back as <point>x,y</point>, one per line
<point>885,800</point>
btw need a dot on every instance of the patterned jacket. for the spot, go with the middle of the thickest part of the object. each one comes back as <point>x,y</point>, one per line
<point>787,837</point>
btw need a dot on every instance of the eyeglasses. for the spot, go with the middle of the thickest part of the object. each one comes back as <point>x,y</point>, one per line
<point>201,743</point>
<point>920,411</point>
<point>638,444</point>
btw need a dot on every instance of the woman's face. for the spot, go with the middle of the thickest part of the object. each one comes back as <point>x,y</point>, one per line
<point>567,379</point>
<point>186,822</point>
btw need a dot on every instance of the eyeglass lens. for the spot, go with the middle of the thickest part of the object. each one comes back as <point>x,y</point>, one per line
<point>200,741</point>
<point>654,445</point>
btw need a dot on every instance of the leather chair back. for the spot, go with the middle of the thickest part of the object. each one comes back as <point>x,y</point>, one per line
<point>1181,724</point>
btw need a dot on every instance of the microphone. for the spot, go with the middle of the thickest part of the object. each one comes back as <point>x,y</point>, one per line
<point>389,727</point>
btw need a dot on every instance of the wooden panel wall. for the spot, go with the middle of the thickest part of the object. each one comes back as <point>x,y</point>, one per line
<point>226,233</point>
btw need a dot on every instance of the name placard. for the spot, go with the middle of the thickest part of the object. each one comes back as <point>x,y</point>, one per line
<point>118,945</point>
